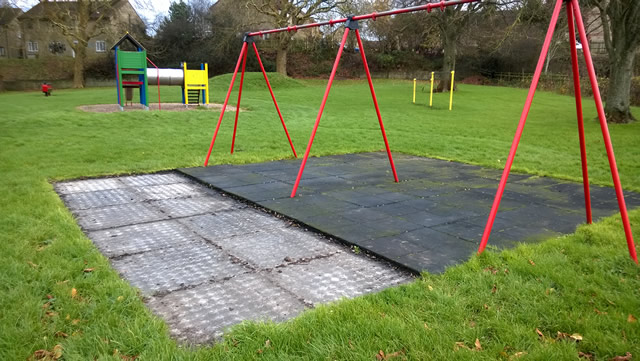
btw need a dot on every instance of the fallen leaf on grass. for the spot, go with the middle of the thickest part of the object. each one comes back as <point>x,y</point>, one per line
<point>517,355</point>
<point>491,269</point>
<point>47,355</point>
<point>61,334</point>
<point>599,312</point>
<point>430,288</point>
<point>87,270</point>
<point>46,305</point>
<point>75,322</point>
<point>32,264</point>
<point>494,289</point>
<point>565,336</point>
<point>486,307</point>
<point>351,345</point>
<point>381,355</point>
<point>51,313</point>
<point>57,351</point>
<point>74,293</point>
<point>459,345</point>
<point>259,351</point>
<point>631,319</point>
<point>49,296</point>
<point>478,346</point>
<point>267,344</point>
<point>540,334</point>
<point>626,357</point>
<point>128,358</point>
<point>584,355</point>
<point>532,263</point>
<point>426,327</point>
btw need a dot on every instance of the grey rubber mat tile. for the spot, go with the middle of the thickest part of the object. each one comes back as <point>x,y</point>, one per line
<point>102,198</point>
<point>202,313</point>
<point>278,246</point>
<point>153,179</point>
<point>206,261</point>
<point>341,275</point>
<point>88,185</point>
<point>116,216</point>
<point>223,225</point>
<point>142,237</point>
<point>185,207</point>
<point>170,191</point>
<point>168,269</point>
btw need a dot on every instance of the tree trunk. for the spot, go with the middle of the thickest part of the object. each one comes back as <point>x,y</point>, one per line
<point>450,47</point>
<point>617,107</point>
<point>281,61</point>
<point>78,66</point>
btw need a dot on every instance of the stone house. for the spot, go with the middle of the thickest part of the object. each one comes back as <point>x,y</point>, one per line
<point>10,34</point>
<point>108,20</point>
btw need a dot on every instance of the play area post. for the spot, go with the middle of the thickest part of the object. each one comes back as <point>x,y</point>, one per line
<point>453,72</point>
<point>601,116</point>
<point>414,90</point>
<point>431,92</point>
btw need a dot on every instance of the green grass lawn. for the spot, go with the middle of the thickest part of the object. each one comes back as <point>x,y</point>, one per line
<point>583,283</point>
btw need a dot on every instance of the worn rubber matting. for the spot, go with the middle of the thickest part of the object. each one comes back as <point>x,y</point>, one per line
<point>205,262</point>
<point>434,217</point>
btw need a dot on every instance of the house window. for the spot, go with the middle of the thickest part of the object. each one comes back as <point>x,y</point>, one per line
<point>32,46</point>
<point>101,46</point>
<point>2,51</point>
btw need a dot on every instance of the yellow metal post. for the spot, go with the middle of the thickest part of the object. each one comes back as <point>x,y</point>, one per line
<point>414,90</point>
<point>184,75</point>
<point>431,93</point>
<point>453,72</point>
<point>206,84</point>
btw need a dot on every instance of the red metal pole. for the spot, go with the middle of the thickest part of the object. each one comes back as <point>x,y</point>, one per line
<point>226,101</point>
<point>158,75</point>
<point>266,79</point>
<point>578,95</point>
<point>375,103</point>
<point>324,102</point>
<point>523,120</point>
<point>605,131</point>
<point>235,125</point>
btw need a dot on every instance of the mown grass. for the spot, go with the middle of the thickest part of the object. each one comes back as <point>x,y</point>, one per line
<point>582,283</point>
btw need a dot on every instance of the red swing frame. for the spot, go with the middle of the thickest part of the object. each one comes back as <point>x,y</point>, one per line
<point>573,12</point>
<point>351,24</point>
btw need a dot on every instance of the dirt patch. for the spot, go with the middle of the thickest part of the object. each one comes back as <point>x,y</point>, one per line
<point>171,107</point>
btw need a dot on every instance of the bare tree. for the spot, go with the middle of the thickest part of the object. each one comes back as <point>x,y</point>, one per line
<point>79,21</point>
<point>285,13</point>
<point>621,27</point>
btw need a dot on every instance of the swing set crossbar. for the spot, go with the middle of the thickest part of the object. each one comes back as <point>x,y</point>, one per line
<point>428,7</point>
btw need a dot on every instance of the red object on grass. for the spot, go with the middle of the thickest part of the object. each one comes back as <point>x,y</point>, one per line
<point>46,89</point>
